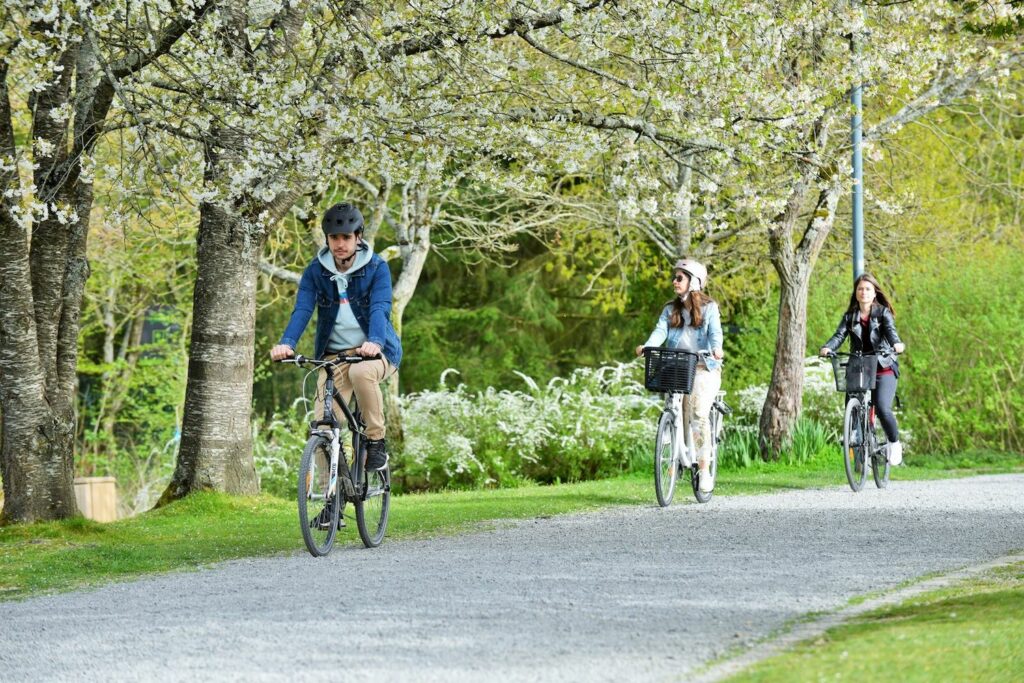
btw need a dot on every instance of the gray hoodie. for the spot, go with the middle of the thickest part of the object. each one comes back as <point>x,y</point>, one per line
<point>347,334</point>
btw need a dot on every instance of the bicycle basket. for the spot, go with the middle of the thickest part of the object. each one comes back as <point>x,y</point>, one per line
<point>855,373</point>
<point>669,370</point>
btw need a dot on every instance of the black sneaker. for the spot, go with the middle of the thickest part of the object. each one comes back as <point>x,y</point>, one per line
<point>376,454</point>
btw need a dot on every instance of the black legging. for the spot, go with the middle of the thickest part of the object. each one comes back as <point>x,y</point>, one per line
<point>881,396</point>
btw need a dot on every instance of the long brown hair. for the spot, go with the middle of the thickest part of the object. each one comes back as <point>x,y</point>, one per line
<point>880,298</point>
<point>693,303</point>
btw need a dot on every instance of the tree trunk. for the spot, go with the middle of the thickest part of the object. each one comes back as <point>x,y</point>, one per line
<point>41,284</point>
<point>785,393</point>
<point>216,436</point>
<point>794,264</point>
<point>37,434</point>
<point>414,256</point>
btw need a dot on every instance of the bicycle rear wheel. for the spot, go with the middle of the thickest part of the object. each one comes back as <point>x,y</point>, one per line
<point>854,444</point>
<point>373,508</point>
<point>666,470</point>
<point>879,459</point>
<point>318,512</point>
<point>701,496</point>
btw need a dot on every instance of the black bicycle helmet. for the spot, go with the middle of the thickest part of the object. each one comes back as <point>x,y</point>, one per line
<point>342,218</point>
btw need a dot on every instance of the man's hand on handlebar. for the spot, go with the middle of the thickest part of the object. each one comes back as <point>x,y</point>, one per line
<point>369,349</point>
<point>281,352</point>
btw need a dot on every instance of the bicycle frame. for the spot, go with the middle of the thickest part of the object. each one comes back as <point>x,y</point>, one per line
<point>862,449</point>
<point>353,481</point>
<point>864,396</point>
<point>684,451</point>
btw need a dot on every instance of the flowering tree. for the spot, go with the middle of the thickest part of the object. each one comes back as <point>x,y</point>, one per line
<point>60,65</point>
<point>309,90</point>
<point>738,114</point>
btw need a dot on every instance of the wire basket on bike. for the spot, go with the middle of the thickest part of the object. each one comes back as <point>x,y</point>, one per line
<point>669,370</point>
<point>855,373</point>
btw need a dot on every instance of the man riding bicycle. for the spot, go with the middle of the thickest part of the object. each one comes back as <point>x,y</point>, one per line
<point>350,287</point>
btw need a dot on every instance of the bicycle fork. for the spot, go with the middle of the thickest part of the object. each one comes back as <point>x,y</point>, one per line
<point>683,448</point>
<point>332,485</point>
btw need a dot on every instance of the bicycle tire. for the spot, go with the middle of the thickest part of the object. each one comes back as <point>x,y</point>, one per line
<point>853,444</point>
<point>705,496</point>
<point>666,470</point>
<point>879,459</point>
<point>311,489</point>
<point>374,506</point>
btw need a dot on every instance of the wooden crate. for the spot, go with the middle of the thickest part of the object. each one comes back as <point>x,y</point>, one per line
<point>97,498</point>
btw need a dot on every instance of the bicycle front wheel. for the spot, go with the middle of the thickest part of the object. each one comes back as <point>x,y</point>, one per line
<point>666,470</point>
<point>854,440</point>
<point>318,510</point>
<point>372,509</point>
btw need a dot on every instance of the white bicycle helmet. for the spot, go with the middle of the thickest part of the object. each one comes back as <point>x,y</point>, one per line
<point>696,271</point>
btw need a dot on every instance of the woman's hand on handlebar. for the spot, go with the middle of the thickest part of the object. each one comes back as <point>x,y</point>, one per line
<point>824,352</point>
<point>281,352</point>
<point>899,347</point>
<point>640,350</point>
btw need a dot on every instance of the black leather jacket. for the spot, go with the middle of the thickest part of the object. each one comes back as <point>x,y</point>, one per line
<point>883,335</point>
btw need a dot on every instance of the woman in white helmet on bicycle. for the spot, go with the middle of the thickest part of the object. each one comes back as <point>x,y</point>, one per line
<point>691,322</point>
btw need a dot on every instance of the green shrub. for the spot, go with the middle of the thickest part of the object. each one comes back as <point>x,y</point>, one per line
<point>960,376</point>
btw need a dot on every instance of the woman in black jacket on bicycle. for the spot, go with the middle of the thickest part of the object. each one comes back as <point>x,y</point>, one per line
<point>871,325</point>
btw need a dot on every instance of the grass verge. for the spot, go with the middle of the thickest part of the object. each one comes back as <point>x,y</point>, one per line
<point>970,632</point>
<point>208,528</point>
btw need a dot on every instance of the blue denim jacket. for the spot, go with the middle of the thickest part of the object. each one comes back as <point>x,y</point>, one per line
<point>709,334</point>
<point>369,293</point>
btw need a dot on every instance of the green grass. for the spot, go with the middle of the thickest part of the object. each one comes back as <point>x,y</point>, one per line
<point>968,633</point>
<point>209,528</point>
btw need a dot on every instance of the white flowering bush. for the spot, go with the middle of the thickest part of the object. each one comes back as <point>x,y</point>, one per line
<point>595,423</point>
<point>815,434</point>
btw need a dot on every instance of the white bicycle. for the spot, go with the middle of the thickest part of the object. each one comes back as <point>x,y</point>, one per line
<point>671,372</point>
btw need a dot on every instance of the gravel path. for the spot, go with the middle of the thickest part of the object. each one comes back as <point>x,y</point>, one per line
<point>637,593</point>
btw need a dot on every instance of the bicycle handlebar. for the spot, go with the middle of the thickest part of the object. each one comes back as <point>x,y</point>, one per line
<point>703,353</point>
<point>340,360</point>
<point>837,354</point>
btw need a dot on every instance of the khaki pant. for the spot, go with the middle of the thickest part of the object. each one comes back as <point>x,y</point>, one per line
<point>364,378</point>
<point>698,403</point>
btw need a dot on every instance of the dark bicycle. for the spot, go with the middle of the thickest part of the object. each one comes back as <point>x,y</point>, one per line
<point>329,476</point>
<point>862,448</point>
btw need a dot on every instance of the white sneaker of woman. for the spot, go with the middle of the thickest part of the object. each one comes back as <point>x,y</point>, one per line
<point>706,483</point>
<point>895,452</point>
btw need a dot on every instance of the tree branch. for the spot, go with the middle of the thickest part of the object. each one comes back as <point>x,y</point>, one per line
<point>278,273</point>
<point>137,60</point>
<point>603,122</point>
<point>941,93</point>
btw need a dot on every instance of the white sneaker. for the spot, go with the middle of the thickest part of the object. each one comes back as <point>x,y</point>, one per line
<point>707,482</point>
<point>895,452</point>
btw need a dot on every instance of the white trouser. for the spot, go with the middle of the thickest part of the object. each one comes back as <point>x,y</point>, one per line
<point>698,404</point>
